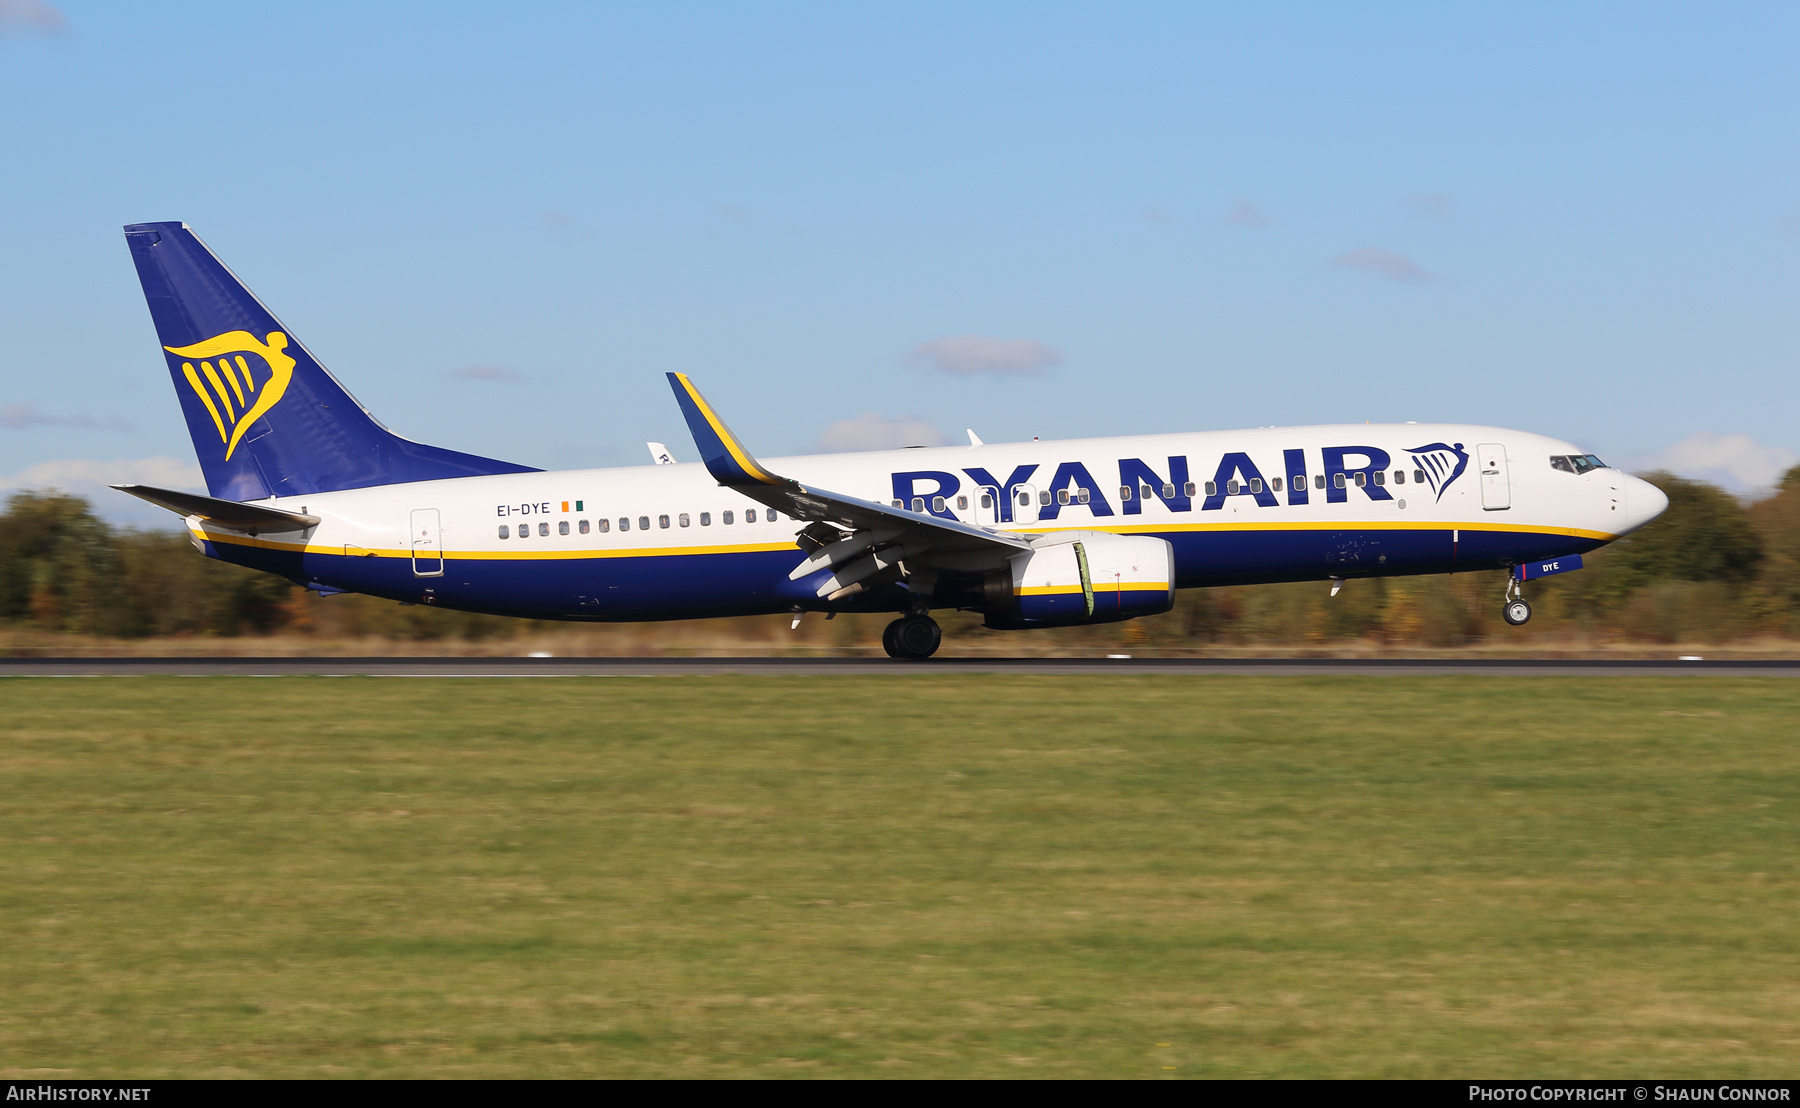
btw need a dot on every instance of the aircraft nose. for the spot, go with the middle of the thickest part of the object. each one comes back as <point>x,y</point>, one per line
<point>1643,503</point>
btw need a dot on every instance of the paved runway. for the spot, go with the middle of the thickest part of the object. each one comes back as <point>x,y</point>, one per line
<point>789,667</point>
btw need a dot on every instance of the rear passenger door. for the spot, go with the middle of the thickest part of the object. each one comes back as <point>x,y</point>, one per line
<point>427,543</point>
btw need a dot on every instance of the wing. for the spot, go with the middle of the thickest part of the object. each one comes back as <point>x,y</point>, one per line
<point>857,532</point>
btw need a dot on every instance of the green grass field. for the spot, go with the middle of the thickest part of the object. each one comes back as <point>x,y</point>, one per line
<point>910,875</point>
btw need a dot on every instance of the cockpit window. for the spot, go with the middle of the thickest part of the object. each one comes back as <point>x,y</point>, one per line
<point>1575,463</point>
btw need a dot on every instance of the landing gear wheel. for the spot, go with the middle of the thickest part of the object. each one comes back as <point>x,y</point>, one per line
<point>1516,612</point>
<point>914,638</point>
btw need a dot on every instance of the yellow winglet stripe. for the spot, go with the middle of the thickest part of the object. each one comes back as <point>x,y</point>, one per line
<point>726,438</point>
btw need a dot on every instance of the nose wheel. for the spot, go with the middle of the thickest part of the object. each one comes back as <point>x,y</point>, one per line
<point>1515,611</point>
<point>913,638</point>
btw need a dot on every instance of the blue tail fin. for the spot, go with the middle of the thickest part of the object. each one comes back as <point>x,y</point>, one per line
<point>266,418</point>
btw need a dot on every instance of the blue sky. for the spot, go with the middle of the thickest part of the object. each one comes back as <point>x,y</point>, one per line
<point>500,225</point>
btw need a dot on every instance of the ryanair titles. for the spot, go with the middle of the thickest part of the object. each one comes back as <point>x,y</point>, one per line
<point>1025,494</point>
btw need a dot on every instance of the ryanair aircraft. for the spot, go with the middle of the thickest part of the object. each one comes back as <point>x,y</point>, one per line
<point>305,483</point>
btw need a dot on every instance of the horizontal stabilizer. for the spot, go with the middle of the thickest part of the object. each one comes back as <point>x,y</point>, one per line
<point>229,514</point>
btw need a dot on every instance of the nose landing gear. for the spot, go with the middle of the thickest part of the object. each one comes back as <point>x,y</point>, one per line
<point>1515,611</point>
<point>913,638</point>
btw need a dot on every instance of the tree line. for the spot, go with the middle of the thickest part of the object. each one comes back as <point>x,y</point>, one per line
<point>1712,568</point>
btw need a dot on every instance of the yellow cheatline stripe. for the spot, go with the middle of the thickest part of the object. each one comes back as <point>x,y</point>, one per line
<point>732,445</point>
<point>235,539</point>
<point>249,381</point>
<point>218,387</point>
<point>1114,529</point>
<point>231,375</point>
<point>200,391</point>
<point>1318,525</point>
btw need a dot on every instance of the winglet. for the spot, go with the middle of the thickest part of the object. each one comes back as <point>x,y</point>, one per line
<point>725,457</point>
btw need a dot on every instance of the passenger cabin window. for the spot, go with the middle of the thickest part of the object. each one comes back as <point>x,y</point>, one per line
<point>987,501</point>
<point>1361,480</point>
<point>1298,480</point>
<point>683,520</point>
<point>505,531</point>
<point>1062,496</point>
<point>663,522</point>
<point>725,518</point>
<point>624,523</point>
<point>706,519</point>
<point>1275,484</point>
<point>918,504</point>
<point>1024,500</point>
<point>562,527</point>
<point>1231,487</point>
<point>644,523</point>
<point>1124,492</point>
<point>1319,480</point>
<point>1043,498</point>
<point>770,515</point>
<point>1256,484</point>
<point>1081,495</point>
<point>1337,479</point>
<point>544,530</point>
<point>962,503</point>
<point>937,503</point>
<point>1188,489</point>
<point>1212,488</point>
<point>605,525</point>
<point>583,527</point>
<point>750,514</point>
<point>1380,477</point>
<point>1399,477</point>
<point>1418,477</point>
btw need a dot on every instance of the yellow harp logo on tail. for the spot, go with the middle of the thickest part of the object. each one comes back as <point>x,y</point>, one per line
<point>227,383</point>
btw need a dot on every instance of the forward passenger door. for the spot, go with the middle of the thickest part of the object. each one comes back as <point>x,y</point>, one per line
<point>1496,484</point>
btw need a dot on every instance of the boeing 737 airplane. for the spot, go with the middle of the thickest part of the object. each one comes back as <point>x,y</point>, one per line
<point>305,483</point>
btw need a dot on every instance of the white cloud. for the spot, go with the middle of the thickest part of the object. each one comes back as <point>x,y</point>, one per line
<point>1385,262</point>
<point>1734,461</point>
<point>1246,214</point>
<point>874,432</point>
<point>89,477</point>
<point>1432,205</point>
<point>19,417</point>
<point>31,15</point>
<point>970,355</point>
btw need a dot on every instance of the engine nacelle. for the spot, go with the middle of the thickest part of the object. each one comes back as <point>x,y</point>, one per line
<point>1083,577</point>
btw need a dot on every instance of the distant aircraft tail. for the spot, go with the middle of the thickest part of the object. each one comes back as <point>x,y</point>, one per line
<point>266,418</point>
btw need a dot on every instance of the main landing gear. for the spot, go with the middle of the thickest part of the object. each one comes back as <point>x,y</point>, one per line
<point>1516,611</point>
<point>914,638</point>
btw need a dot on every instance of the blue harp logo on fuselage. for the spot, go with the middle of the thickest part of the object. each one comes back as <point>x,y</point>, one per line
<point>1441,462</point>
<point>238,379</point>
